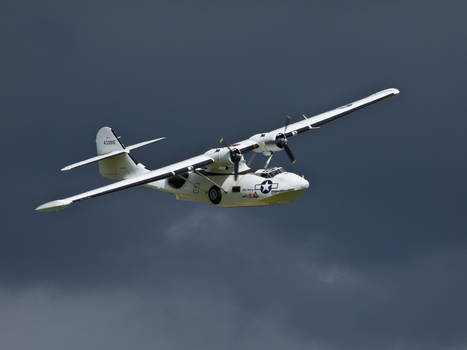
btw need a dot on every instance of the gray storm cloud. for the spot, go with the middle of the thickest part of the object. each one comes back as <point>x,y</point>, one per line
<point>372,256</point>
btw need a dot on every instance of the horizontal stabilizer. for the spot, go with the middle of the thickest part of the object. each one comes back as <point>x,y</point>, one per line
<point>141,144</point>
<point>127,149</point>
<point>94,159</point>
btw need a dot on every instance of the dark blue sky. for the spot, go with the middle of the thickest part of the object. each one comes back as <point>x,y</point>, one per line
<point>374,255</point>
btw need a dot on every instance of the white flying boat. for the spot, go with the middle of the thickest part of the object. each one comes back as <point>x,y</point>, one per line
<point>220,176</point>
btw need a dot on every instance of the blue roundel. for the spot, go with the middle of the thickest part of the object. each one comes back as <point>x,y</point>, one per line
<point>266,186</point>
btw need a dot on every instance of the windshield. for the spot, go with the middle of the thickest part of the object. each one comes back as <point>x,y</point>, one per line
<point>268,173</point>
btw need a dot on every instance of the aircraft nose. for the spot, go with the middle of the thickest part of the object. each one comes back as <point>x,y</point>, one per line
<point>305,183</point>
<point>301,183</point>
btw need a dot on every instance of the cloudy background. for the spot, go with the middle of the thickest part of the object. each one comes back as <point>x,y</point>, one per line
<point>374,255</point>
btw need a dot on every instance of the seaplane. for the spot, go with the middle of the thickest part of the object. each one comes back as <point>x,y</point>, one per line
<point>221,176</point>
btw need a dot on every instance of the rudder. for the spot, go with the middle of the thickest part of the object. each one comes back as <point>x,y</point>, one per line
<point>119,167</point>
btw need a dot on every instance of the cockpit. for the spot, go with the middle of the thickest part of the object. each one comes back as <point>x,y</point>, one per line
<point>269,173</point>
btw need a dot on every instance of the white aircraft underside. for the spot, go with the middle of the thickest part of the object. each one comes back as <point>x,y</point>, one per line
<point>220,176</point>
<point>251,189</point>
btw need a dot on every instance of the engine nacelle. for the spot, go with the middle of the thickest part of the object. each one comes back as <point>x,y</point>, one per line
<point>268,142</point>
<point>224,156</point>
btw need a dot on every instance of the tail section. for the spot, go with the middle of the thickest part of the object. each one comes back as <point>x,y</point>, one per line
<point>114,158</point>
<point>107,141</point>
<point>121,166</point>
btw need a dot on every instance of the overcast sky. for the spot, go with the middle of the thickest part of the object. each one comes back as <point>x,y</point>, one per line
<point>374,255</point>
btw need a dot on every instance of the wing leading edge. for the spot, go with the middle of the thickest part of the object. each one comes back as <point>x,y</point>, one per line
<point>256,142</point>
<point>326,117</point>
<point>151,176</point>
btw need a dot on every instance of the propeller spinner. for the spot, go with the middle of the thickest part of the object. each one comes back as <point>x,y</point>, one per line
<point>235,157</point>
<point>281,141</point>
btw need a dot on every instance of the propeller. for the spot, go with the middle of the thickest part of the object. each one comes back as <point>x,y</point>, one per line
<point>281,141</point>
<point>287,122</point>
<point>235,157</point>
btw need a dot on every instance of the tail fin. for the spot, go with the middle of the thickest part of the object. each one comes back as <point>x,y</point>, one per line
<point>119,167</point>
<point>114,158</point>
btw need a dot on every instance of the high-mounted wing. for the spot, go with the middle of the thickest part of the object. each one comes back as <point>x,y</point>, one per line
<point>276,140</point>
<point>324,118</point>
<point>150,176</point>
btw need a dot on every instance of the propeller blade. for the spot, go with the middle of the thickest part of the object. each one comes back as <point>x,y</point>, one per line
<point>289,153</point>
<point>221,141</point>
<point>251,159</point>
<point>287,122</point>
<point>235,156</point>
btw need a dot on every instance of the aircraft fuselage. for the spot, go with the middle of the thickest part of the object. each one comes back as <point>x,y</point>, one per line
<point>259,187</point>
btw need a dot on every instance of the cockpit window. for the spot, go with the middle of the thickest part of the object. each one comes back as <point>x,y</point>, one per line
<point>269,173</point>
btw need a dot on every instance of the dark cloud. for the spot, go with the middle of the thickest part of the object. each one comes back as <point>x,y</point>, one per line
<point>372,256</point>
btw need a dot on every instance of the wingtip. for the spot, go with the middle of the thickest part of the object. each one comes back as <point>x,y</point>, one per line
<point>390,93</point>
<point>54,205</point>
